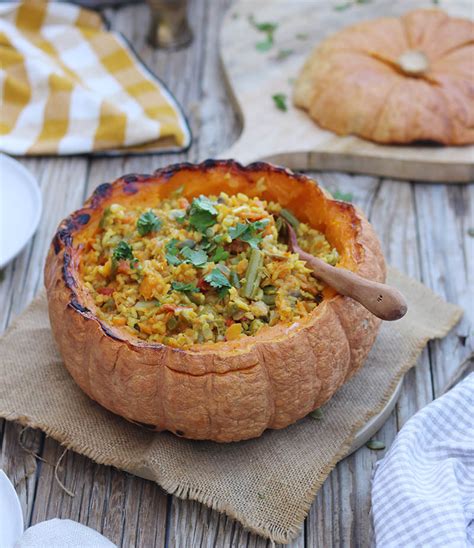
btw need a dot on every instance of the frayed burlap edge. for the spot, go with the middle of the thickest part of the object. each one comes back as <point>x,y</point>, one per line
<point>274,533</point>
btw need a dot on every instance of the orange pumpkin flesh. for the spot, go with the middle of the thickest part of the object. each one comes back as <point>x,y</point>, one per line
<point>225,391</point>
<point>394,80</point>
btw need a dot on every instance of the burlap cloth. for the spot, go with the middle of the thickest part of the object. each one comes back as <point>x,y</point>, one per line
<point>268,484</point>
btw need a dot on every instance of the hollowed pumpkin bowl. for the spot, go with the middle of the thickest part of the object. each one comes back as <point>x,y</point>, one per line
<point>230,390</point>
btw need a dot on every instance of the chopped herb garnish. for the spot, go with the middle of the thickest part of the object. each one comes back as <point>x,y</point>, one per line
<point>202,214</point>
<point>184,288</point>
<point>283,54</point>
<point>248,232</point>
<point>343,196</point>
<point>195,257</point>
<point>123,251</point>
<point>302,36</point>
<point>216,279</point>
<point>148,222</point>
<point>219,255</point>
<point>280,101</point>
<point>172,251</point>
<point>268,29</point>
<point>470,231</point>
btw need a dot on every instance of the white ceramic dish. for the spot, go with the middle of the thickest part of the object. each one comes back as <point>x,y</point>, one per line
<point>20,208</point>
<point>11,515</point>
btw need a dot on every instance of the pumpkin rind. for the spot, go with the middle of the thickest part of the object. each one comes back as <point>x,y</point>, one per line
<point>369,80</point>
<point>224,391</point>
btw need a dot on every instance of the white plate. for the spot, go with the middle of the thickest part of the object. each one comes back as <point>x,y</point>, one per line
<point>11,515</point>
<point>20,208</point>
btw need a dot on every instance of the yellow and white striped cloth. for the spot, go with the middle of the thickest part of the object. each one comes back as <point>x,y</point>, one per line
<point>69,87</point>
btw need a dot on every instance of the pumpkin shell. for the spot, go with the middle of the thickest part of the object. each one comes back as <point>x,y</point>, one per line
<point>354,81</point>
<point>225,391</point>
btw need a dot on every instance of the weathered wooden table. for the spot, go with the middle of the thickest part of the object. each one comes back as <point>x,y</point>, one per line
<point>424,229</point>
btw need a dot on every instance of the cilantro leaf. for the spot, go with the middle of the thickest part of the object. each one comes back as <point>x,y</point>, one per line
<point>171,254</point>
<point>196,258</point>
<point>248,232</point>
<point>123,251</point>
<point>202,213</point>
<point>217,279</point>
<point>184,288</point>
<point>148,222</point>
<point>219,255</point>
<point>237,230</point>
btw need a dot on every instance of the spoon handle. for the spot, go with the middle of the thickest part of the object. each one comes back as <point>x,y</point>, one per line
<point>383,301</point>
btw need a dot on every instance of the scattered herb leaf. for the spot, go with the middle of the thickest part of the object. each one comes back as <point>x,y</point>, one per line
<point>264,46</point>
<point>268,29</point>
<point>195,257</point>
<point>280,101</point>
<point>184,288</point>
<point>317,414</point>
<point>346,5</point>
<point>248,232</point>
<point>260,496</point>
<point>343,196</point>
<point>375,445</point>
<point>283,54</point>
<point>202,213</point>
<point>216,279</point>
<point>342,7</point>
<point>302,36</point>
<point>470,231</point>
<point>148,222</point>
<point>219,255</point>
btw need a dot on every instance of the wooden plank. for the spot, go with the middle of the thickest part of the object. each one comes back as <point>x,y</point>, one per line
<point>447,253</point>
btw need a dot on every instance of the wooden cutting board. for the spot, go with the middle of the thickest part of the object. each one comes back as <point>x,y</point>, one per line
<point>291,138</point>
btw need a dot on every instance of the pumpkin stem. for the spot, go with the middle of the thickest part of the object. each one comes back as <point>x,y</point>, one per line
<point>413,63</point>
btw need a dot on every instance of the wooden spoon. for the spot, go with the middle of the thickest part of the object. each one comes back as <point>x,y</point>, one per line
<point>383,301</point>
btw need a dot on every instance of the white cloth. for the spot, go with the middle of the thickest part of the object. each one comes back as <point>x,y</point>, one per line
<point>62,533</point>
<point>423,489</point>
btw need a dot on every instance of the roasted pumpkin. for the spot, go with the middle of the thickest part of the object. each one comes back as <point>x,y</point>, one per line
<point>223,391</point>
<point>394,80</point>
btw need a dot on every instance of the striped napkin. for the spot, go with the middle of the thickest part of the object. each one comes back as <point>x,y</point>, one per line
<point>69,87</point>
<point>423,490</point>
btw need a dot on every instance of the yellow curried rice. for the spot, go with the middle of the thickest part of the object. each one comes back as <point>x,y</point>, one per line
<point>185,273</point>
